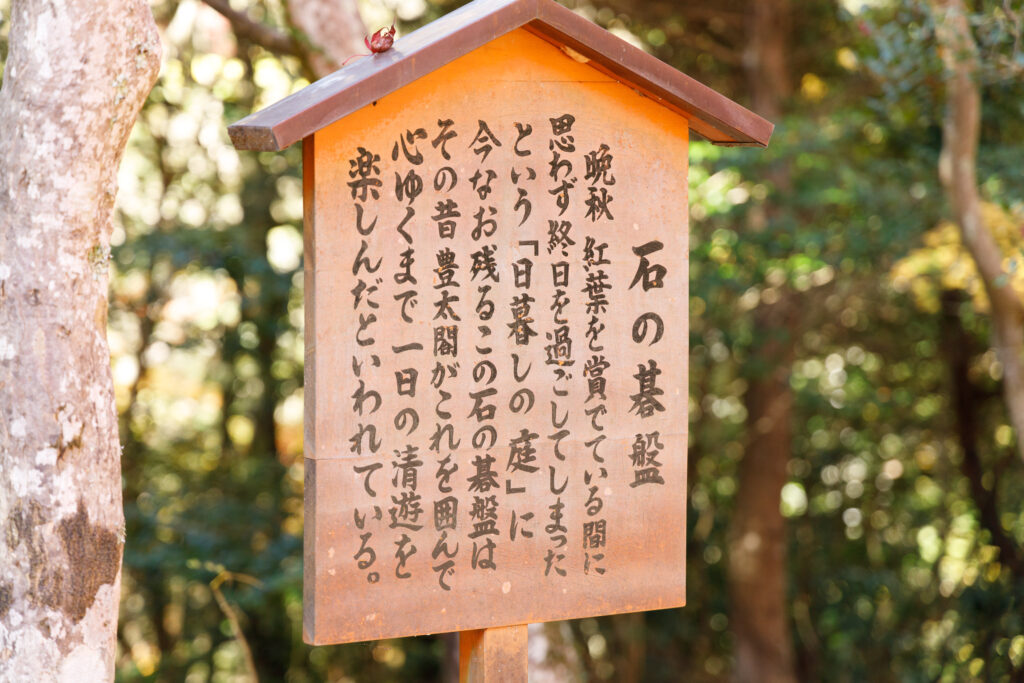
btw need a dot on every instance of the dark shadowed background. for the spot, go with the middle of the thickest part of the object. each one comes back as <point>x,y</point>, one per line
<point>855,478</point>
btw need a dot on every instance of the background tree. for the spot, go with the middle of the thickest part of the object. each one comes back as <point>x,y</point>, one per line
<point>757,533</point>
<point>961,128</point>
<point>75,77</point>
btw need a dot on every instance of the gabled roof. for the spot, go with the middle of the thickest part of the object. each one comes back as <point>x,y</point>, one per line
<point>710,114</point>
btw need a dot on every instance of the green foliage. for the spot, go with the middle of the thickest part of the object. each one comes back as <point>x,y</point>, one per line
<point>893,575</point>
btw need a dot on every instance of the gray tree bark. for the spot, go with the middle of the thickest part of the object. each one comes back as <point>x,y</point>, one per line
<point>958,173</point>
<point>76,76</point>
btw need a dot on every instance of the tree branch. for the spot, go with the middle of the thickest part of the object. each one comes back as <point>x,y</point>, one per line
<point>331,31</point>
<point>266,37</point>
<point>958,173</point>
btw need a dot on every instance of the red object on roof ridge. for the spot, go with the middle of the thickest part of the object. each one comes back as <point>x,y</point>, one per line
<point>381,41</point>
<point>709,113</point>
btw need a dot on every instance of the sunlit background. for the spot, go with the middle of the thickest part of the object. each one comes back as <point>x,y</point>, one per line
<point>895,515</point>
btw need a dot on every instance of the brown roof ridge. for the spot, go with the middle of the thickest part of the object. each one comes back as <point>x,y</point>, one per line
<point>709,113</point>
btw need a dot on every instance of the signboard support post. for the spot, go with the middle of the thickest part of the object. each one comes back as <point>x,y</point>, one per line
<point>493,655</point>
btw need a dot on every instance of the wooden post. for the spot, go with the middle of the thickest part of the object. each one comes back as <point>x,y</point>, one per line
<point>493,655</point>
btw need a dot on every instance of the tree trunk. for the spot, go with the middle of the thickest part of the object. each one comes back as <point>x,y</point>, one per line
<point>956,346</point>
<point>75,79</point>
<point>958,173</point>
<point>763,648</point>
<point>332,31</point>
<point>552,653</point>
<point>631,630</point>
<point>764,58</point>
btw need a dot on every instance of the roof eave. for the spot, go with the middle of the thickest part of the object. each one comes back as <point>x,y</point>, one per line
<point>709,113</point>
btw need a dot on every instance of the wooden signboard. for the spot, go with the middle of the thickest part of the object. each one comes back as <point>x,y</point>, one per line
<point>496,324</point>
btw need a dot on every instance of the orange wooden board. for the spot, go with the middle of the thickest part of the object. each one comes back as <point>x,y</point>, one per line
<point>429,349</point>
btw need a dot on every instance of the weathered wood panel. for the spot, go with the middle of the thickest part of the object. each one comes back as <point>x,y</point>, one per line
<point>561,397</point>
